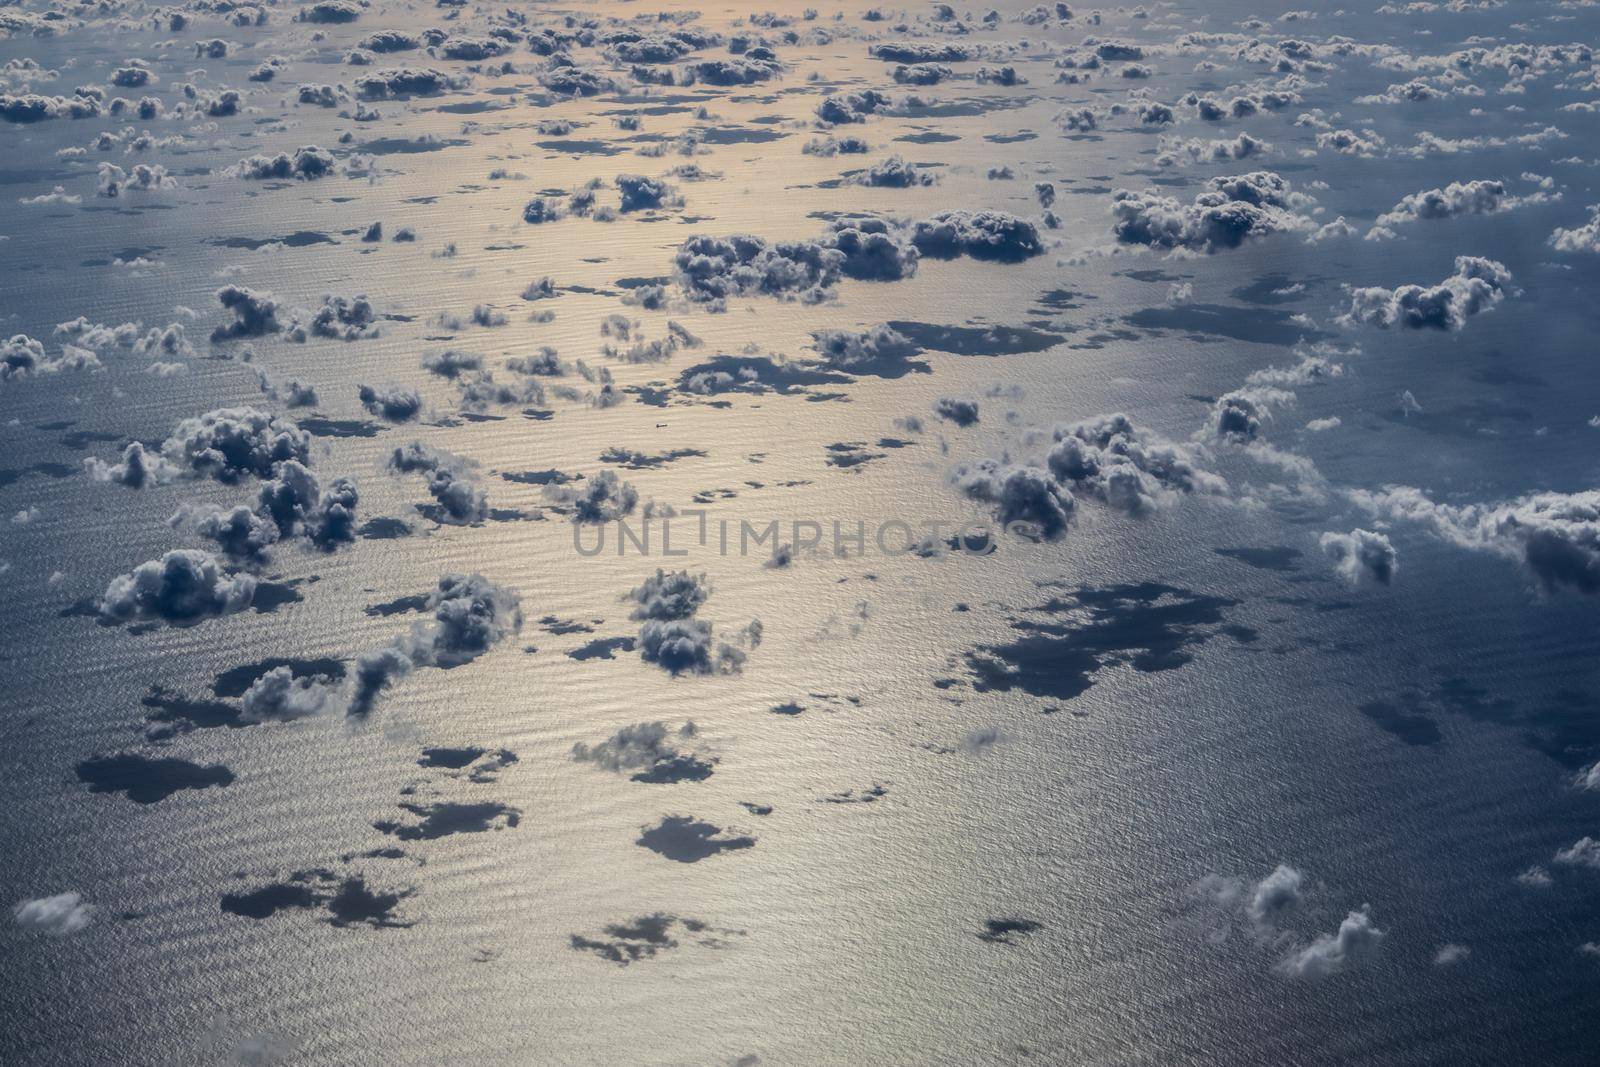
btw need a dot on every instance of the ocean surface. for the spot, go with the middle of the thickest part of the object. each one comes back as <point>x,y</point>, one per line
<point>1257,728</point>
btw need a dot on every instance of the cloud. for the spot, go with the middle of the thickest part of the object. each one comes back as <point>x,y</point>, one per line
<point>1025,495</point>
<point>330,11</point>
<point>1361,555</point>
<point>306,163</point>
<point>229,444</point>
<point>959,410</point>
<point>654,751</point>
<point>1585,238</point>
<point>345,319</point>
<point>1477,285</point>
<point>22,357</point>
<point>471,614</point>
<point>1173,150</point>
<point>60,915</point>
<point>393,402</point>
<point>450,481</point>
<point>401,82</point>
<point>1125,466</point>
<point>1555,536</point>
<point>894,173</point>
<point>991,235</point>
<point>184,585</point>
<point>686,646</point>
<point>1329,954</point>
<point>842,108</point>
<point>920,52</point>
<point>1275,894</point>
<point>144,178</point>
<point>847,349</point>
<point>1230,212</point>
<point>640,193</point>
<point>746,70</point>
<point>669,595</point>
<point>603,498</point>
<point>138,468</point>
<point>31,107</point>
<point>280,696</point>
<point>1476,197</point>
<point>254,314</point>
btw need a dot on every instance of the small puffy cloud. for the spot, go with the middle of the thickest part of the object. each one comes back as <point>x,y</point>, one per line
<point>990,235</point>
<point>138,468</point>
<point>603,498</point>
<point>1356,938</point>
<point>280,696</point>
<point>669,595</point>
<point>959,410</point>
<point>1585,238</point>
<point>402,82</point>
<point>306,163</point>
<point>450,480</point>
<point>471,614</point>
<point>62,914</point>
<point>183,586</point>
<point>1362,556</point>
<point>1476,197</point>
<point>1275,894</point>
<point>395,403</point>
<point>1477,285</point>
<point>254,314</point>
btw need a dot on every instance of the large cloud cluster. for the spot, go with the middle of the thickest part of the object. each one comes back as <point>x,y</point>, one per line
<point>1108,459</point>
<point>1477,285</point>
<point>712,269</point>
<point>1231,211</point>
<point>291,504</point>
<point>1555,536</point>
<point>32,107</point>
<point>231,443</point>
<point>1125,466</point>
